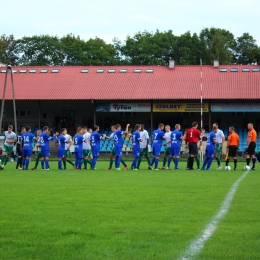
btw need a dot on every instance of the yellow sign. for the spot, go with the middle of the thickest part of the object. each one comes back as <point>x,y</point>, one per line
<point>179,107</point>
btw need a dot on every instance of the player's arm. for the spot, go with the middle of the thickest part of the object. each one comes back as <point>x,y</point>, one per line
<point>103,136</point>
<point>21,144</point>
<point>126,129</point>
<point>214,140</point>
<point>187,137</point>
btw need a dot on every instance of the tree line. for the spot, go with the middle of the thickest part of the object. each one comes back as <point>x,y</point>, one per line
<point>144,48</point>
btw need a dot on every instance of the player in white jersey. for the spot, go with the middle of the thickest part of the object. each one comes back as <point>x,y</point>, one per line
<point>167,152</point>
<point>67,151</point>
<point>220,137</point>
<point>9,141</point>
<point>87,153</point>
<point>144,147</point>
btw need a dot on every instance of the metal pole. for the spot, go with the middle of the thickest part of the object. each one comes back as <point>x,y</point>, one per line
<point>201,97</point>
<point>14,106</point>
<point>39,110</point>
<point>3,99</point>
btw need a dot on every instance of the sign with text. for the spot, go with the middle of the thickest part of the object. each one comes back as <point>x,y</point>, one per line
<point>123,107</point>
<point>235,107</point>
<point>179,107</point>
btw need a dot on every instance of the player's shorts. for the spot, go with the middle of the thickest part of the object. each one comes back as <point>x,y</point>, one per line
<point>167,151</point>
<point>39,154</point>
<point>87,152</point>
<point>218,148</point>
<point>232,152</point>
<point>175,151</point>
<point>156,150</point>
<point>136,152</point>
<point>209,153</point>
<point>60,153</point>
<point>95,152</point>
<point>118,151</point>
<point>27,153</point>
<point>78,154</point>
<point>8,149</point>
<point>113,151</point>
<point>45,153</point>
<point>193,148</point>
<point>66,153</point>
<point>144,151</point>
<point>251,149</point>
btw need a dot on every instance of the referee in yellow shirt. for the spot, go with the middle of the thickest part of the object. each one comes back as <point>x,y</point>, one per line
<point>251,144</point>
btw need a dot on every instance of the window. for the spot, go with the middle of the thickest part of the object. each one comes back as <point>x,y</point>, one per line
<point>137,71</point>
<point>234,70</point>
<point>246,70</point>
<point>84,71</point>
<point>23,113</point>
<point>3,71</point>
<point>14,71</point>
<point>127,114</point>
<point>55,71</point>
<point>256,69</point>
<point>111,71</point>
<point>23,71</point>
<point>222,70</point>
<point>123,70</point>
<point>100,70</point>
<point>32,71</point>
<point>44,71</point>
<point>149,71</point>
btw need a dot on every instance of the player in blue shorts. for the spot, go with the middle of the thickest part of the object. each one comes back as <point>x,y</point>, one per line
<point>210,149</point>
<point>157,138</point>
<point>136,139</point>
<point>61,141</point>
<point>45,147</point>
<point>26,147</point>
<point>175,140</point>
<point>95,138</point>
<point>78,144</point>
<point>118,142</point>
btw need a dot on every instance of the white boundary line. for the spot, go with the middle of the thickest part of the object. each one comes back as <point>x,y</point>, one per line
<point>196,245</point>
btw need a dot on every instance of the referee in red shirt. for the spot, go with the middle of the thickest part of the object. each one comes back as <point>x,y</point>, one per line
<point>192,138</point>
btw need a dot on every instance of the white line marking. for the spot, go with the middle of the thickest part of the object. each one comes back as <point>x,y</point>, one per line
<point>196,245</point>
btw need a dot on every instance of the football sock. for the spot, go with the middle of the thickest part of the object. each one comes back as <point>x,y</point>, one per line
<point>59,164</point>
<point>23,162</point>
<point>26,164</point>
<point>46,164</point>
<point>253,160</point>
<point>6,160</point>
<point>64,165</point>
<point>42,164</point>
<point>227,161</point>
<point>3,160</point>
<point>188,162</point>
<point>111,163</point>
<point>94,162</point>
<point>89,161</point>
<point>209,162</point>
<point>85,163</point>
<point>153,160</point>
<point>123,162</point>
<point>169,161</point>
<point>247,161</point>
<point>218,160</point>
<point>176,162</point>
<point>135,162</point>
<point>148,159</point>
<point>205,163</point>
<point>191,162</point>
<point>164,161</point>
<point>198,162</point>
<point>235,163</point>
<point>70,162</point>
<point>119,161</point>
<point>156,163</point>
<point>79,163</point>
<point>139,161</point>
<point>36,163</point>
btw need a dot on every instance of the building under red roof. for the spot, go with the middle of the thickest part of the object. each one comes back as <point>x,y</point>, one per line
<point>133,82</point>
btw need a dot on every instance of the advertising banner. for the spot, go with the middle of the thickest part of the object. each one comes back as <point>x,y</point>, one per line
<point>123,107</point>
<point>179,107</point>
<point>235,107</point>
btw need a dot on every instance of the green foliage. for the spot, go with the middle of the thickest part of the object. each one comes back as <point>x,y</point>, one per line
<point>144,48</point>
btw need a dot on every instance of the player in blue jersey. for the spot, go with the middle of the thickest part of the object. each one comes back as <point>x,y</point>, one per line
<point>78,144</point>
<point>175,141</point>
<point>210,149</point>
<point>26,147</point>
<point>157,138</point>
<point>136,139</point>
<point>61,141</point>
<point>45,147</point>
<point>118,142</point>
<point>95,138</point>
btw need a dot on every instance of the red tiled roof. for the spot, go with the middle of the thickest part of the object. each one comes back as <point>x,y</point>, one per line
<point>182,82</point>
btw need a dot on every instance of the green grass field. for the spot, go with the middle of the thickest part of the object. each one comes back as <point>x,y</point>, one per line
<point>125,214</point>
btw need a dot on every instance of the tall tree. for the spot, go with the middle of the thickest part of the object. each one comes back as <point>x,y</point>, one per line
<point>7,49</point>
<point>247,51</point>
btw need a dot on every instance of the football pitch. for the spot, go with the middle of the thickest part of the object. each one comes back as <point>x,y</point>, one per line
<point>129,215</point>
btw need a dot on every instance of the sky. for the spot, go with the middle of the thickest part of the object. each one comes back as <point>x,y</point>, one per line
<point>114,18</point>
